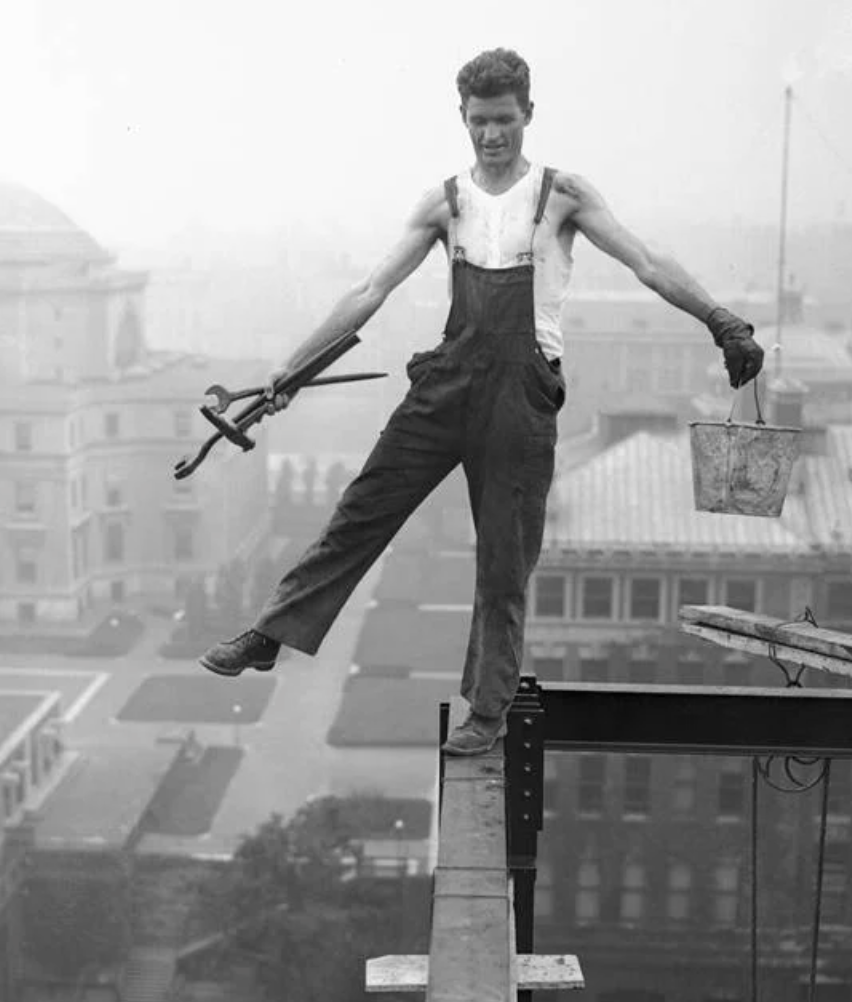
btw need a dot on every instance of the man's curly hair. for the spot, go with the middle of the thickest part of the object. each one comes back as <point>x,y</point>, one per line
<point>494,73</point>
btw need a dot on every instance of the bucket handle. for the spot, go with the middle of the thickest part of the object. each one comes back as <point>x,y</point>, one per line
<point>756,404</point>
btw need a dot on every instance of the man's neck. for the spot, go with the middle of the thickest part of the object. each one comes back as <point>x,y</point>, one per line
<point>497,179</point>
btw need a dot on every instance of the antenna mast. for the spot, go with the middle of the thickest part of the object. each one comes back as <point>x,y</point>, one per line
<point>782,239</point>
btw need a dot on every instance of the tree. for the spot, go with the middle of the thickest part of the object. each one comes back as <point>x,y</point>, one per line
<point>294,902</point>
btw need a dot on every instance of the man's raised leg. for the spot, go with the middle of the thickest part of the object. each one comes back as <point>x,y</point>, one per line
<point>414,453</point>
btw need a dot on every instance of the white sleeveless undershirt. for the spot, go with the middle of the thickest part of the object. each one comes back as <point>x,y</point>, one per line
<point>497,231</point>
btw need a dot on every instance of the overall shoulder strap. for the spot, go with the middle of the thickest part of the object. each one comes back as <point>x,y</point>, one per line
<point>546,184</point>
<point>451,187</point>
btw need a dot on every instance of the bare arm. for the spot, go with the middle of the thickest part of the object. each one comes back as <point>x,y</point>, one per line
<point>425,226</point>
<point>590,215</point>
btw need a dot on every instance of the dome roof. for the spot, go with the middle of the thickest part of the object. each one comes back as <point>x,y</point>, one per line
<point>34,231</point>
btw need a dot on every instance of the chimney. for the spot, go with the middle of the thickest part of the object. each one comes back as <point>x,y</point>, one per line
<point>785,405</point>
<point>785,401</point>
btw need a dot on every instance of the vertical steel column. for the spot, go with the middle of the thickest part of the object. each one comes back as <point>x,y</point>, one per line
<point>524,744</point>
<point>443,734</point>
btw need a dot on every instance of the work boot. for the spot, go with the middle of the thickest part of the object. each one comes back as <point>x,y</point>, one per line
<point>475,735</point>
<point>249,650</point>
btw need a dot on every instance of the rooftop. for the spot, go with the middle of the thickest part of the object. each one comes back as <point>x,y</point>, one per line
<point>33,231</point>
<point>15,709</point>
<point>167,375</point>
<point>639,494</point>
<point>807,350</point>
<point>85,813</point>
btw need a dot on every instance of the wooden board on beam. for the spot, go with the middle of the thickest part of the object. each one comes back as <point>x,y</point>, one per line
<point>800,635</point>
<point>410,973</point>
<point>751,645</point>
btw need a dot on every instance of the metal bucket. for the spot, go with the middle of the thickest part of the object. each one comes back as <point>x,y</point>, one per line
<point>742,469</point>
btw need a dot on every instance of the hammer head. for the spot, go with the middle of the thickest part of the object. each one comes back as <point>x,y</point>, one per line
<point>228,429</point>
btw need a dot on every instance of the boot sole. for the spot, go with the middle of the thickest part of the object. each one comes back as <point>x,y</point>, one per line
<point>218,670</point>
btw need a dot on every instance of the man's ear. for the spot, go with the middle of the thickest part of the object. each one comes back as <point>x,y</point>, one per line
<point>463,113</point>
<point>529,114</point>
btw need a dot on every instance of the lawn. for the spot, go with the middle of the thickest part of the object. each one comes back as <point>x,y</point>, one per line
<point>198,699</point>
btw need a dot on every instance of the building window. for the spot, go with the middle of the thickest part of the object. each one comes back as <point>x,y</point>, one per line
<point>684,785</point>
<point>633,892</point>
<point>590,784</point>
<point>690,671</point>
<point>835,880</point>
<point>680,886</point>
<point>183,424</point>
<point>25,497</point>
<point>645,598</point>
<point>732,788</point>
<point>544,889</point>
<point>84,492</point>
<point>597,598</point>
<point>726,882</point>
<point>26,612</point>
<point>550,595</point>
<point>184,543</point>
<point>637,784</point>
<point>736,669</point>
<point>23,436</point>
<point>116,591</point>
<point>74,497</point>
<point>692,591</point>
<point>549,669</point>
<point>839,600</point>
<point>642,672</point>
<point>114,493</point>
<point>111,424</point>
<point>550,797</point>
<point>741,593</point>
<point>840,789</point>
<point>114,542</point>
<point>588,901</point>
<point>594,670</point>
<point>669,372</point>
<point>26,568</point>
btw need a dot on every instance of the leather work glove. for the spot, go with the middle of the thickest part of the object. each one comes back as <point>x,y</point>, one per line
<point>743,355</point>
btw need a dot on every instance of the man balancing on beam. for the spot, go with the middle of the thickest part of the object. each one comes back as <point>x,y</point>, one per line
<point>486,397</point>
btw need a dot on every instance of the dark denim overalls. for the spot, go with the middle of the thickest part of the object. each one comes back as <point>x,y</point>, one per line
<point>487,398</point>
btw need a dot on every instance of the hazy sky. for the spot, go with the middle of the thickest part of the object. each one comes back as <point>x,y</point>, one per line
<point>141,119</point>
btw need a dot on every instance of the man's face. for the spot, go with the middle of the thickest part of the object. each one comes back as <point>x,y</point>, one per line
<point>496,127</point>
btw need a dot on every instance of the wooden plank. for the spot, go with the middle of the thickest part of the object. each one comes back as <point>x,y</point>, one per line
<point>410,973</point>
<point>795,656</point>
<point>471,950</point>
<point>800,635</point>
